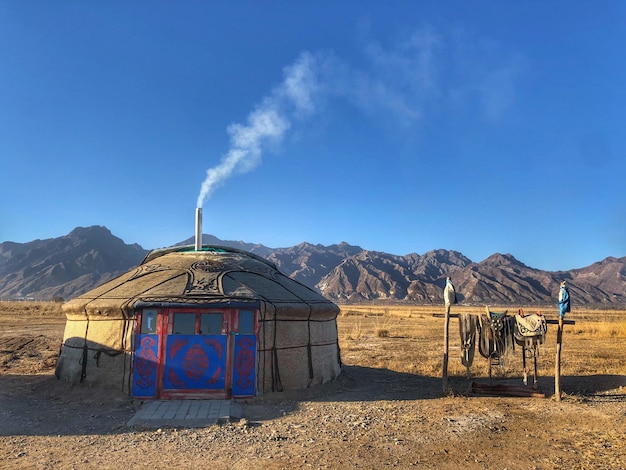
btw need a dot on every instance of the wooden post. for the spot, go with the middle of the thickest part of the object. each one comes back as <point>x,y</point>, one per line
<point>524,362</point>
<point>536,373</point>
<point>446,327</point>
<point>557,364</point>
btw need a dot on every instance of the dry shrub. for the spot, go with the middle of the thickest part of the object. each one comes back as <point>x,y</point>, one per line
<point>356,333</point>
<point>382,332</point>
<point>382,328</point>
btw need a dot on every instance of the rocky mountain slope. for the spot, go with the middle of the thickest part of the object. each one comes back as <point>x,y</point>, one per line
<point>64,266</point>
<point>69,265</point>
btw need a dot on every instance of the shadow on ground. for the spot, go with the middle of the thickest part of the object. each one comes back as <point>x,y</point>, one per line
<point>43,405</point>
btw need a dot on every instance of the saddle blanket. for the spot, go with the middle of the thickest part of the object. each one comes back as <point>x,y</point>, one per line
<point>530,325</point>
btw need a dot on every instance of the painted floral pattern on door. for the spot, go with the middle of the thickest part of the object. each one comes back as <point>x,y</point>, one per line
<point>145,369</point>
<point>195,362</point>
<point>244,367</point>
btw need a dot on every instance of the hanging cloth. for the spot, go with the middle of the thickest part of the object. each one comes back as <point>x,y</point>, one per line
<point>467,330</point>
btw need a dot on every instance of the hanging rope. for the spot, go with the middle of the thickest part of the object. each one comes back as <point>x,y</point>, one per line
<point>467,330</point>
<point>83,371</point>
<point>308,346</point>
<point>277,385</point>
<point>496,335</point>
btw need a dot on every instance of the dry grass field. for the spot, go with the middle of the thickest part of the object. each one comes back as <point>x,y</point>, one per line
<point>386,409</point>
<point>410,339</point>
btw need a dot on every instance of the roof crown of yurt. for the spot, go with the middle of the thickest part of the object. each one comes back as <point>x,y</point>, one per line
<point>200,321</point>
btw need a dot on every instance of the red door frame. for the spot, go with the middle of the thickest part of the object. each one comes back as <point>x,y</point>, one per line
<point>230,325</point>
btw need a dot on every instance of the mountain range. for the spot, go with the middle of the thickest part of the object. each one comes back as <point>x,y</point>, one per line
<point>72,264</point>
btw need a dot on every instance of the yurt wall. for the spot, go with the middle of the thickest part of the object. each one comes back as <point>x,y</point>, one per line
<point>96,350</point>
<point>298,347</point>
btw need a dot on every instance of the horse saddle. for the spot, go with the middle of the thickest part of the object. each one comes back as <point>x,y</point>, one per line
<point>530,326</point>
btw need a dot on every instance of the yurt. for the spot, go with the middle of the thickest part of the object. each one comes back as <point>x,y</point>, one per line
<point>200,322</point>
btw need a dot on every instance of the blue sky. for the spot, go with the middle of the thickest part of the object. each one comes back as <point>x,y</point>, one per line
<point>481,127</point>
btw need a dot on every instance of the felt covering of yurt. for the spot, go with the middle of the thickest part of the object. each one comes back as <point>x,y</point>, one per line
<point>297,343</point>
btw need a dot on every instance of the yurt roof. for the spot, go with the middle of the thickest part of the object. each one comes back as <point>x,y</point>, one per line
<point>182,276</point>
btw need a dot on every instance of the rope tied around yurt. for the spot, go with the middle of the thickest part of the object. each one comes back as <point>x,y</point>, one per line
<point>97,353</point>
<point>277,385</point>
<point>88,347</point>
<point>337,343</point>
<point>308,346</point>
<point>83,371</point>
<point>276,380</point>
<point>274,348</point>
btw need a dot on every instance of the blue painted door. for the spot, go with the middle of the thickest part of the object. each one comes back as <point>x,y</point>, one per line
<point>244,366</point>
<point>244,361</point>
<point>145,366</point>
<point>196,355</point>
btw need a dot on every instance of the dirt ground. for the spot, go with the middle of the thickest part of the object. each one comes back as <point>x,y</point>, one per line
<point>377,414</point>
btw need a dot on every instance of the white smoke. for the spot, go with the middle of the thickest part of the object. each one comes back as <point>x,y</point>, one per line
<point>377,90</point>
<point>402,83</point>
<point>266,124</point>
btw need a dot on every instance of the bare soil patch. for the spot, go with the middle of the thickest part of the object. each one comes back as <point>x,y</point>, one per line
<point>387,408</point>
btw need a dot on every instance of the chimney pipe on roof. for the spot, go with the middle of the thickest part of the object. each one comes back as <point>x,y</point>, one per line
<point>198,228</point>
